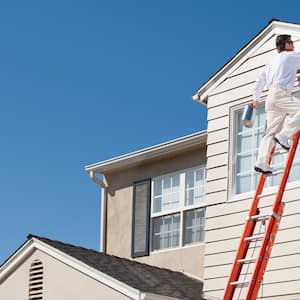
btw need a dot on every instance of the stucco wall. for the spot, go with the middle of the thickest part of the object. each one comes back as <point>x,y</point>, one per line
<point>61,282</point>
<point>119,211</point>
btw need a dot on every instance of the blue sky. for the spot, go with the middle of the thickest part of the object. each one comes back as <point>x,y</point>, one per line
<point>85,81</point>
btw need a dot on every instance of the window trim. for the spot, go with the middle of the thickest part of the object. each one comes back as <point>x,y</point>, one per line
<point>231,195</point>
<point>182,208</point>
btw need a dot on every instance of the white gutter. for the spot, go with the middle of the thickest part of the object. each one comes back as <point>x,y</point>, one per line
<point>136,157</point>
<point>103,210</point>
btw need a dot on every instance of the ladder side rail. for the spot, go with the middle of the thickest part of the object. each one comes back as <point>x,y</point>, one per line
<point>270,240</point>
<point>272,226</point>
<point>248,231</point>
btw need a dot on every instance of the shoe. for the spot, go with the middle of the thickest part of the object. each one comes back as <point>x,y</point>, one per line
<point>283,141</point>
<point>263,168</point>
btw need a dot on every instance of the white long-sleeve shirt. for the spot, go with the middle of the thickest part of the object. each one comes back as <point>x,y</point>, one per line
<point>281,72</point>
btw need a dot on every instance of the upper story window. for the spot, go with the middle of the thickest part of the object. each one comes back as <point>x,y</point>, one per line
<point>178,209</point>
<point>246,142</point>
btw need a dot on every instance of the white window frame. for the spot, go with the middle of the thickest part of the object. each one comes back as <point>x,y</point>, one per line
<point>182,208</point>
<point>232,196</point>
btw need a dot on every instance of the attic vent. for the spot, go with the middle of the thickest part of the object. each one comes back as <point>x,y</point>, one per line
<point>36,280</point>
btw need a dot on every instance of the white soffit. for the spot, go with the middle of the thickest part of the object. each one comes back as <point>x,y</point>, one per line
<point>273,28</point>
<point>135,157</point>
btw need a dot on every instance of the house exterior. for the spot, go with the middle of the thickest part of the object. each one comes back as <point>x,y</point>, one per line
<point>182,204</point>
<point>172,214</point>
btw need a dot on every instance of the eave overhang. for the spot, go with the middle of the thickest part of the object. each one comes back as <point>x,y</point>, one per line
<point>156,151</point>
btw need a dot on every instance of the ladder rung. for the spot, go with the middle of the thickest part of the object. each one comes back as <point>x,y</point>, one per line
<point>259,217</point>
<point>277,172</point>
<point>255,237</point>
<point>246,260</point>
<point>240,283</point>
<point>279,152</point>
<point>266,194</point>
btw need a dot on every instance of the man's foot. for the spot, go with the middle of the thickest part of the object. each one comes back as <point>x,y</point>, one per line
<point>283,141</point>
<point>263,168</point>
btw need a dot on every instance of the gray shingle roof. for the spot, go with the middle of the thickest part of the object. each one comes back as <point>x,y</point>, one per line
<point>148,279</point>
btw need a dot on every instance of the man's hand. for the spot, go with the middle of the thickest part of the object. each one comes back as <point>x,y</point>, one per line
<point>255,103</point>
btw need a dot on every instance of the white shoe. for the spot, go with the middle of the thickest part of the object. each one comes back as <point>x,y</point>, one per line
<point>283,141</point>
<point>263,168</point>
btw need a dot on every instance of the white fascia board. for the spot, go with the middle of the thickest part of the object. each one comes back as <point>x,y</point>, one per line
<point>70,261</point>
<point>16,259</point>
<point>276,27</point>
<point>148,153</point>
<point>150,296</point>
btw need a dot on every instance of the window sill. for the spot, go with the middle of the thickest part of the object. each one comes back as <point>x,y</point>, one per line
<point>272,190</point>
<point>177,248</point>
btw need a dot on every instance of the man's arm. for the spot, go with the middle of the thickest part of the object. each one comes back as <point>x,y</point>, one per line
<point>258,88</point>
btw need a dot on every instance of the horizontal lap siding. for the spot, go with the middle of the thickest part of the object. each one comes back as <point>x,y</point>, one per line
<point>284,264</point>
<point>225,220</point>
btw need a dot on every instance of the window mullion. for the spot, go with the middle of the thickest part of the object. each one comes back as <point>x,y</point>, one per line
<point>182,199</point>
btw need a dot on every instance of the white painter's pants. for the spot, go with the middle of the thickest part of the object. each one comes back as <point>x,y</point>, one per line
<point>279,104</point>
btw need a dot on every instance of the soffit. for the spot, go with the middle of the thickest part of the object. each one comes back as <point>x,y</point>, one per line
<point>172,147</point>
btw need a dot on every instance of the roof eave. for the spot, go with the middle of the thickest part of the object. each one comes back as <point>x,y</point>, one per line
<point>34,243</point>
<point>145,154</point>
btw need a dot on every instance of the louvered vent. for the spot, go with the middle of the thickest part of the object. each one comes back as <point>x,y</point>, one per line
<point>36,280</point>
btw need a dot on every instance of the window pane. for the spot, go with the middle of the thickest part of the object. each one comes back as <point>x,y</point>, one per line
<point>166,232</point>
<point>194,187</point>
<point>190,179</point>
<point>244,163</point>
<point>199,177</point>
<point>166,193</point>
<point>243,183</point>
<point>157,187</point>
<point>245,142</point>
<point>194,226</point>
<point>248,141</point>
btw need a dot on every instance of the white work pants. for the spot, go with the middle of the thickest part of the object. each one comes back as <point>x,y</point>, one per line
<point>279,104</point>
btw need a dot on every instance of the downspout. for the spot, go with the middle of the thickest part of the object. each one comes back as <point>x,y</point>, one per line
<point>103,226</point>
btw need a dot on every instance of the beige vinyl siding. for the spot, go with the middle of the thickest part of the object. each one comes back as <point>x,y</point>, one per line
<point>225,218</point>
<point>218,112</point>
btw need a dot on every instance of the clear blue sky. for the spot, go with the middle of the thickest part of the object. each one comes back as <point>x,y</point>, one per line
<point>84,81</point>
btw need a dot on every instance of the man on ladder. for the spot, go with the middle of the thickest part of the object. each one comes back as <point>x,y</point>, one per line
<point>279,76</point>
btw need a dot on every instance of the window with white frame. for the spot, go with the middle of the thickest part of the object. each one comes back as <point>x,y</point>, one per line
<point>178,209</point>
<point>247,142</point>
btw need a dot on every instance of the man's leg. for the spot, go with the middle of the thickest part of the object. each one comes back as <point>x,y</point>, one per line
<point>290,105</point>
<point>275,121</point>
<point>292,127</point>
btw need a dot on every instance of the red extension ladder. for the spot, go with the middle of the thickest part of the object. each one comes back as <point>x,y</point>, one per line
<point>250,237</point>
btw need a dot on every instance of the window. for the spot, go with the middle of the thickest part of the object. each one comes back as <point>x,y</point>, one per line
<point>178,209</point>
<point>247,142</point>
<point>36,273</point>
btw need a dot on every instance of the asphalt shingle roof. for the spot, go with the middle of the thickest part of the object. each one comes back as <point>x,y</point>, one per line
<point>137,275</point>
